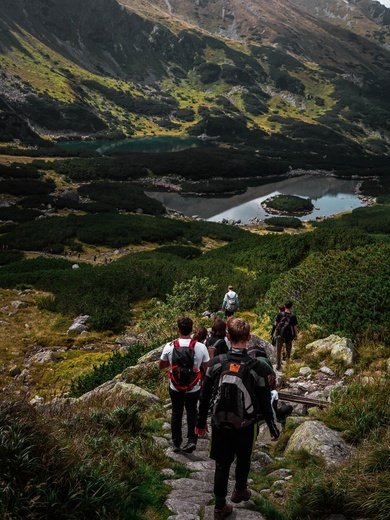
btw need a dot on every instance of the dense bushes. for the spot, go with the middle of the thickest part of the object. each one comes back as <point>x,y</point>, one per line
<point>284,222</point>
<point>121,196</point>
<point>112,231</point>
<point>106,371</point>
<point>343,292</point>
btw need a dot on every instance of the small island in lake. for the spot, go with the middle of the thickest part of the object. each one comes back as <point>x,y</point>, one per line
<point>287,205</point>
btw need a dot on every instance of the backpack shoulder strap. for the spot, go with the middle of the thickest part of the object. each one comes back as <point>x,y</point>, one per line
<point>175,343</point>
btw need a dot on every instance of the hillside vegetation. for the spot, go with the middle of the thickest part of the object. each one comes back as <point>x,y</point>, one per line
<point>265,75</point>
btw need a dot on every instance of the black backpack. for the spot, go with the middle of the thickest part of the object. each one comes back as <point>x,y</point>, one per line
<point>183,374</point>
<point>283,328</point>
<point>256,351</point>
<point>233,404</point>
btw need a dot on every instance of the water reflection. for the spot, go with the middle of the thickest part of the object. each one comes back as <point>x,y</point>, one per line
<point>328,194</point>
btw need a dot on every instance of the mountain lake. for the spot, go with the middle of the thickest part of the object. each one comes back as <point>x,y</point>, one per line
<point>329,196</point>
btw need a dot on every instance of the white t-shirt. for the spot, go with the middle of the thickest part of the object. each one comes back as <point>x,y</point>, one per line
<point>201,356</point>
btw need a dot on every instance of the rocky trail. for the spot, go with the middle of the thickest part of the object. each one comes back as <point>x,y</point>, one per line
<point>191,498</point>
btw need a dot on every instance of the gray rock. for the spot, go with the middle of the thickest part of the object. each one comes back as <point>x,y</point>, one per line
<point>339,348</point>
<point>120,388</point>
<point>280,473</point>
<point>17,304</point>
<point>349,372</point>
<point>43,357</point>
<point>167,472</point>
<point>79,324</point>
<point>327,370</point>
<point>318,439</point>
<point>304,371</point>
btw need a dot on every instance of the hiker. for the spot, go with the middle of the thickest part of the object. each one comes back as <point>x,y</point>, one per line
<point>233,434</point>
<point>230,302</point>
<point>280,412</point>
<point>286,332</point>
<point>200,334</point>
<point>216,343</point>
<point>227,340</point>
<point>258,352</point>
<point>278,317</point>
<point>185,356</point>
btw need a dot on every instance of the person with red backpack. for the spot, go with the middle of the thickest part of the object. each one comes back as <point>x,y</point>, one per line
<point>186,357</point>
<point>286,332</point>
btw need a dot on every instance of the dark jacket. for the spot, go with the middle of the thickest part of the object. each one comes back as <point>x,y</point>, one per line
<point>262,391</point>
<point>221,347</point>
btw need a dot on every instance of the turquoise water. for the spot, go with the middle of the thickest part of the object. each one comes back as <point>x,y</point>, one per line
<point>328,194</point>
<point>138,145</point>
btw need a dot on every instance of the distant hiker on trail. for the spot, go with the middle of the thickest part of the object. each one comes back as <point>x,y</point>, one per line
<point>237,392</point>
<point>277,318</point>
<point>185,356</point>
<point>230,302</point>
<point>286,331</point>
<point>216,342</point>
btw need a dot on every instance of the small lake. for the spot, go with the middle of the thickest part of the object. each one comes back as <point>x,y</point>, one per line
<point>161,144</point>
<point>329,196</point>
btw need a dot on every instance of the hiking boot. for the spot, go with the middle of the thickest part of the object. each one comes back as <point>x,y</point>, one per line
<point>175,448</point>
<point>241,496</point>
<point>226,511</point>
<point>278,367</point>
<point>189,448</point>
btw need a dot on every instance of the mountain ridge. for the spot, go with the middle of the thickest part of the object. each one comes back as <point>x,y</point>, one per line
<point>239,71</point>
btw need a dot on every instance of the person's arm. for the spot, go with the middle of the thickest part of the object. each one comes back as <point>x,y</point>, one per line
<point>204,399</point>
<point>238,303</point>
<point>264,400</point>
<point>224,302</point>
<point>162,363</point>
<point>164,359</point>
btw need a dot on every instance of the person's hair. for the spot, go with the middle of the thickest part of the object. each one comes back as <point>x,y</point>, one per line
<point>239,330</point>
<point>218,328</point>
<point>282,308</point>
<point>200,334</point>
<point>288,305</point>
<point>230,288</point>
<point>272,381</point>
<point>185,325</point>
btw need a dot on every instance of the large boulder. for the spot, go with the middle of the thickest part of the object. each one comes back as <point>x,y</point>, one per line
<point>120,388</point>
<point>317,439</point>
<point>339,348</point>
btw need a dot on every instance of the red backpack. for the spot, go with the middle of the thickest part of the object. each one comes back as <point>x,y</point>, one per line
<point>183,374</point>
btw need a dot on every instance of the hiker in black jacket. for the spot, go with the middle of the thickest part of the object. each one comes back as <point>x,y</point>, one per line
<point>228,442</point>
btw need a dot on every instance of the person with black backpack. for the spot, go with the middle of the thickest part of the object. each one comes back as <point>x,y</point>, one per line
<point>186,357</point>
<point>286,332</point>
<point>216,343</point>
<point>236,390</point>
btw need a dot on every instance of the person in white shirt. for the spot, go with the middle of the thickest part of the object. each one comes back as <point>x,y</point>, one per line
<point>184,394</point>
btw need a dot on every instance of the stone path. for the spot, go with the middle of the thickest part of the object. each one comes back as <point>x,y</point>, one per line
<point>192,498</point>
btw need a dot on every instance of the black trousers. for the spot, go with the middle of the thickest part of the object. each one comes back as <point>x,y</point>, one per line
<point>227,445</point>
<point>189,401</point>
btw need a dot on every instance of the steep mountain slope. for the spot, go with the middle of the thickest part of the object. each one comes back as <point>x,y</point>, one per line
<point>264,73</point>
